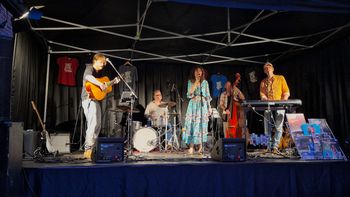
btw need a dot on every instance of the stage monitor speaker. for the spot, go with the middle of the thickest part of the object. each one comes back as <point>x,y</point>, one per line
<point>229,149</point>
<point>108,150</point>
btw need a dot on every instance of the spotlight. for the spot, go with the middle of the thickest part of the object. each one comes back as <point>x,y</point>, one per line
<point>32,13</point>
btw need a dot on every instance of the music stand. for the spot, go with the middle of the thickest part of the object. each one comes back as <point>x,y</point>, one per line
<point>132,101</point>
<point>125,98</point>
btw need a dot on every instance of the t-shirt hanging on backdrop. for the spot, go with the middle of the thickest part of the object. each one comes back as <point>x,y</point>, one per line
<point>253,78</point>
<point>67,68</point>
<point>130,75</point>
<point>218,82</point>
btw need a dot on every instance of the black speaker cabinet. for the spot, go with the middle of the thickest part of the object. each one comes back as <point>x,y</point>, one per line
<point>229,149</point>
<point>108,150</point>
<point>31,140</point>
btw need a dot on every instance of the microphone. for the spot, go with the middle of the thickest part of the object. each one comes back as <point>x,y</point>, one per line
<point>107,60</point>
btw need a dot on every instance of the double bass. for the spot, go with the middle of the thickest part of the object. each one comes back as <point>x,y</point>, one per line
<point>234,130</point>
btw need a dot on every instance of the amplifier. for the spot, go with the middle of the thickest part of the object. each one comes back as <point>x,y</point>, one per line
<point>108,150</point>
<point>61,142</point>
<point>229,149</point>
<point>31,141</point>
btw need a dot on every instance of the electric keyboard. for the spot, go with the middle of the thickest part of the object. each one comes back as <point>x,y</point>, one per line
<point>272,104</point>
<point>258,103</point>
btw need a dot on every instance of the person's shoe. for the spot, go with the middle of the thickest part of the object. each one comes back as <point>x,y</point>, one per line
<point>87,154</point>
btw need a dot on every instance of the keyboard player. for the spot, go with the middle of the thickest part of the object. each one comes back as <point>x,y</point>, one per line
<point>273,87</point>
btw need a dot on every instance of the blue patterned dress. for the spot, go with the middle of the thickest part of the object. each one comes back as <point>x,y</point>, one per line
<point>197,115</point>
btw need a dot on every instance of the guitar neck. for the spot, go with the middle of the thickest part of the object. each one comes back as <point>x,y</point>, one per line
<point>109,83</point>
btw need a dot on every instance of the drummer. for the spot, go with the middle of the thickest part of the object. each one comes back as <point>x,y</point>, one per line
<point>156,111</point>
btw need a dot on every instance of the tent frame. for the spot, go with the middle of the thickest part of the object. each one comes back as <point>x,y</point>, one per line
<point>231,42</point>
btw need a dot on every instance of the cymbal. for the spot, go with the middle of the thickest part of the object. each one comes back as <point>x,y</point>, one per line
<point>116,110</point>
<point>169,104</point>
<point>123,107</point>
<point>127,108</point>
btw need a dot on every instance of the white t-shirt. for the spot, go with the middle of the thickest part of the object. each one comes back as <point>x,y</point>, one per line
<point>156,113</point>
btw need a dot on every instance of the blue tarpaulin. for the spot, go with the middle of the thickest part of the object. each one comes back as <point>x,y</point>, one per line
<point>326,6</point>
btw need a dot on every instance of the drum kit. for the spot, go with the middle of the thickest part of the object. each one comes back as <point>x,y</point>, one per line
<point>154,135</point>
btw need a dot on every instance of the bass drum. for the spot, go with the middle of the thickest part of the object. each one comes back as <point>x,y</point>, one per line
<point>145,140</point>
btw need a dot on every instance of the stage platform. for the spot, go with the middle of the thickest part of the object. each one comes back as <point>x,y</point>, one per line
<point>180,174</point>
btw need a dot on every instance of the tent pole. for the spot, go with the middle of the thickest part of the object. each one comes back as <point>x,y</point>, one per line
<point>228,26</point>
<point>47,82</point>
<point>138,18</point>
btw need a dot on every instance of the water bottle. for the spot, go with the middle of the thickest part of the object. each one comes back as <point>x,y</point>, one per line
<point>149,122</point>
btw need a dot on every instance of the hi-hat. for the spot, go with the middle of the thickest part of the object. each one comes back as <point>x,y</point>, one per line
<point>169,104</point>
<point>115,110</point>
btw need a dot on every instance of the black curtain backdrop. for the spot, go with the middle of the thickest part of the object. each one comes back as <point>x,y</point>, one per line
<point>28,79</point>
<point>319,77</point>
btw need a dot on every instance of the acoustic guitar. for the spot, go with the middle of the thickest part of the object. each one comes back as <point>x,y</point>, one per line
<point>95,92</point>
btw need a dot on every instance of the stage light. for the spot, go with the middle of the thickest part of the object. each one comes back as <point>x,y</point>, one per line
<point>33,13</point>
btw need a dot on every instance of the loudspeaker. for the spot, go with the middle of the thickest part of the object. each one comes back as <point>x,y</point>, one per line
<point>30,142</point>
<point>108,150</point>
<point>229,149</point>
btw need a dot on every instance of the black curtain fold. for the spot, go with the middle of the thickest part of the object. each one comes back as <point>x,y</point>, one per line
<point>28,79</point>
<point>320,78</point>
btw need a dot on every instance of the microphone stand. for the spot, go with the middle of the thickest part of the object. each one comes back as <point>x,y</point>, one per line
<point>133,97</point>
<point>219,129</point>
<point>180,102</point>
<point>201,117</point>
<point>180,99</point>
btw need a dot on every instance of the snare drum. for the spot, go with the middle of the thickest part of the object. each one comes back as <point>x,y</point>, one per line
<point>145,140</point>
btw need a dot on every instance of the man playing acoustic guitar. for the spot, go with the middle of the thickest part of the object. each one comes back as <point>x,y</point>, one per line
<point>94,91</point>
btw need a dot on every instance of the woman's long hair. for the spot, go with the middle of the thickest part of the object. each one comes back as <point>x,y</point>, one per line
<point>192,77</point>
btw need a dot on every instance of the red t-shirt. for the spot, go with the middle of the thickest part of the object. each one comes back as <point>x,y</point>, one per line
<point>67,70</point>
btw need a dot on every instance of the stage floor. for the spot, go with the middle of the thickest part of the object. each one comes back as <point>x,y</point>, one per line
<point>155,157</point>
<point>181,174</point>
